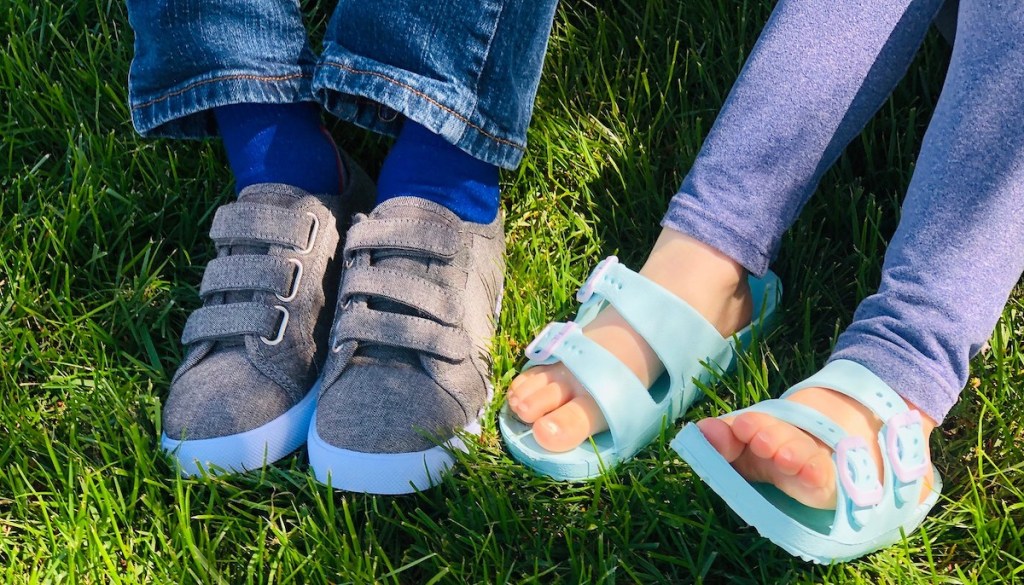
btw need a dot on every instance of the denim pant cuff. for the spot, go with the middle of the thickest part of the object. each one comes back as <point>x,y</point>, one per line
<point>686,218</point>
<point>370,94</point>
<point>911,376</point>
<point>186,110</point>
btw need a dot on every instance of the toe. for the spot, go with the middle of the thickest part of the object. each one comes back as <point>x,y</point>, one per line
<point>791,456</point>
<point>541,402</point>
<point>746,425</point>
<point>817,472</point>
<point>568,426</point>
<point>781,454</point>
<point>527,382</point>
<point>719,433</point>
<point>762,434</point>
<point>539,393</point>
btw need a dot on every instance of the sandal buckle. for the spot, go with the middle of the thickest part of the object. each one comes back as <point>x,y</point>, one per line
<point>587,290</point>
<point>857,472</point>
<point>537,353</point>
<point>908,464</point>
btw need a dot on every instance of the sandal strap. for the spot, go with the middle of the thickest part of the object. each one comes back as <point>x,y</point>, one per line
<point>802,417</point>
<point>230,320</point>
<point>363,324</point>
<point>901,438</point>
<point>860,384</point>
<point>419,236</point>
<point>665,322</point>
<point>408,289</point>
<point>863,497</point>
<point>247,273</point>
<point>263,224</point>
<point>625,402</point>
<point>859,490</point>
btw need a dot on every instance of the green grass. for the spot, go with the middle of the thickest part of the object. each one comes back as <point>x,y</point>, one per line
<point>102,240</point>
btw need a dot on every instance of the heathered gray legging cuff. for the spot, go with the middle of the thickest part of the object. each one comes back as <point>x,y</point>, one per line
<point>819,71</point>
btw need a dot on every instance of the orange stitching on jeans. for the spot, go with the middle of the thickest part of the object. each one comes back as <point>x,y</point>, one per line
<point>432,101</point>
<point>216,79</point>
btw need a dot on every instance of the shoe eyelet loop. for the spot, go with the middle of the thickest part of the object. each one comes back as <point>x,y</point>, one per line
<point>295,282</point>
<point>313,233</point>
<point>281,329</point>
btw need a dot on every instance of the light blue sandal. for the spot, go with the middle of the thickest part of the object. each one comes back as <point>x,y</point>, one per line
<point>690,348</point>
<point>871,513</point>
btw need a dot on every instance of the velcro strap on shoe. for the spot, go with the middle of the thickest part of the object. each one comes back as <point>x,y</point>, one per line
<point>401,287</point>
<point>222,321</point>
<point>428,238</point>
<point>405,331</point>
<point>263,224</point>
<point>245,273</point>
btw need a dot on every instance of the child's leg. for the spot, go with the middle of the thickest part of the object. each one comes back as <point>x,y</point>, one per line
<point>948,271</point>
<point>192,57</point>
<point>456,81</point>
<point>280,143</point>
<point>239,70</point>
<point>817,74</point>
<point>465,70</point>
<point>241,397</point>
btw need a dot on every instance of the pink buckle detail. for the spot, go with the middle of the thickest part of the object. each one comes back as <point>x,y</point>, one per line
<point>587,290</point>
<point>862,496</point>
<point>540,354</point>
<point>905,473</point>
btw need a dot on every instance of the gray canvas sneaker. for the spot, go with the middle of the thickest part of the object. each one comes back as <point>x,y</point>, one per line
<point>410,359</point>
<point>242,396</point>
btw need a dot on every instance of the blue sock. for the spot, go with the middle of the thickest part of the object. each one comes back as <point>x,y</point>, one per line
<point>280,143</point>
<point>425,165</point>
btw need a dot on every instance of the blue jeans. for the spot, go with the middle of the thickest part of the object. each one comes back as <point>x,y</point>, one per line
<point>819,71</point>
<point>465,69</point>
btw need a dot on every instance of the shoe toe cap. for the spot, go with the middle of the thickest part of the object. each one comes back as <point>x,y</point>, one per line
<point>222,395</point>
<point>387,408</point>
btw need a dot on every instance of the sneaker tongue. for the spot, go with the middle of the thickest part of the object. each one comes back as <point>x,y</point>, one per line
<point>274,194</point>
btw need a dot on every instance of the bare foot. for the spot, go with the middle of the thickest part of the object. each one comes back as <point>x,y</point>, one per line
<point>562,412</point>
<point>764,449</point>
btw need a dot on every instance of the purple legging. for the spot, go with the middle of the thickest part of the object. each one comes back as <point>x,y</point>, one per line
<point>819,71</point>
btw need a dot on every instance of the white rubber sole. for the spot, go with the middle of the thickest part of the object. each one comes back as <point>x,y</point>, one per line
<point>385,473</point>
<point>245,451</point>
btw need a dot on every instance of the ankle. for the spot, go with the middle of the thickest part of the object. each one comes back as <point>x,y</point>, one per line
<point>928,424</point>
<point>425,165</point>
<point>712,283</point>
<point>280,143</point>
<point>679,253</point>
